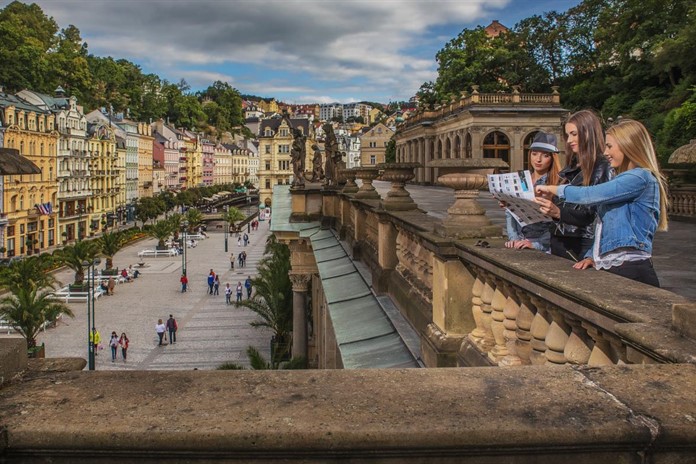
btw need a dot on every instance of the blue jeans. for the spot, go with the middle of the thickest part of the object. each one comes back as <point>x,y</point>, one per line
<point>114,350</point>
<point>172,336</point>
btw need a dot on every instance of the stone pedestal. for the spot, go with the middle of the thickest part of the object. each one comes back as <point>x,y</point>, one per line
<point>300,284</point>
<point>349,176</point>
<point>367,190</point>
<point>398,198</point>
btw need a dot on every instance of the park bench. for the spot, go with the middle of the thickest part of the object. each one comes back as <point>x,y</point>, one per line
<point>195,237</point>
<point>71,296</point>
<point>156,253</point>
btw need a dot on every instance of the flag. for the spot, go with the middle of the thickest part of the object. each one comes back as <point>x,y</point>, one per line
<point>44,208</point>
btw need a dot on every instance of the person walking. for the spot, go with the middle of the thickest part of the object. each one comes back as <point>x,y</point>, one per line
<point>240,259</point>
<point>247,284</point>
<point>95,338</point>
<point>123,343</point>
<point>172,327</point>
<point>113,343</point>
<point>228,294</point>
<point>110,286</point>
<point>239,292</point>
<point>184,283</point>
<point>232,261</point>
<point>160,328</point>
<point>216,285</point>
<point>244,257</point>
<point>211,282</point>
<point>246,239</point>
<point>239,241</point>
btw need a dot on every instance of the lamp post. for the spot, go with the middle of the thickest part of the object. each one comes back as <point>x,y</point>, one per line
<point>91,324</point>
<point>185,245</point>
<point>227,226</point>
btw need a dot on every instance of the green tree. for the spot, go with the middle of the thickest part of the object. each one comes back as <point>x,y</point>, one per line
<point>194,218</point>
<point>109,244</point>
<point>272,301</point>
<point>161,230</point>
<point>233,215</point>
<point>149,208</point>
<point>29,304</point>
<point>27,36</point>
<point>68,66</point>
<point>390,151</point>
<point>75,255</point>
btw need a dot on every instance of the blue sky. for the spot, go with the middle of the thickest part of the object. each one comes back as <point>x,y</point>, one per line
<point>298,51</point>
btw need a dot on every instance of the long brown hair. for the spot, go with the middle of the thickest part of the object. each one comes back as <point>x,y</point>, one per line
<point>633,140</point>
<point>590,143</point>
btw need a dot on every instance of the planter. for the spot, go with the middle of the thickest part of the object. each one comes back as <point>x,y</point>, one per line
<point>37,352</point>
<point>398,198</point>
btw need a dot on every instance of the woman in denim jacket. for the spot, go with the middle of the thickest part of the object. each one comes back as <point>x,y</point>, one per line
<point>573,233</point>
<point>630,208</point>
<point>545,165</point>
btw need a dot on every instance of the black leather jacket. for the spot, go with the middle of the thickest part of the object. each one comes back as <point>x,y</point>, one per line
<point>577,220</point>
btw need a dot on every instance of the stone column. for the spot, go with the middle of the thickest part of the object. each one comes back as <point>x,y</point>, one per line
<point>300,284</point>
<point>427,153</point>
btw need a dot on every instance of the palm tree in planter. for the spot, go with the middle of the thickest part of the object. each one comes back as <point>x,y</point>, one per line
<point>29,302</point>
<point>74,255</point>
<point>272,301</point>
<point>161,230</point>
<point>194,218</point>
<point>176,220</point>
<point>109,244</point>
<point>233,215</point>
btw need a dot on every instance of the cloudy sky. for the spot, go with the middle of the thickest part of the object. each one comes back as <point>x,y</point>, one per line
<point>297,51</point>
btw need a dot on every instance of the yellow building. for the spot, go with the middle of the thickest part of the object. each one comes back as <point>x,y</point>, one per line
<point>145,142</point>
<point>29,201</point>
<point>194,160</point>
<point>106,170</point>
<point>373,145</point>
<point>275,141</point>
<point>270,106</point>
<point>223,164</point>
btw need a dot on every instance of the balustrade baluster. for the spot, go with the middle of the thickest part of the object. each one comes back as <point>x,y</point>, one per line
<point>578,347</point>
<point>499,351</point>
<point>511,311</point>
<point>539,330</point>
<point>476,335</point>
<point>556,338</point>
<point>524,319</point>
<point>488,341</point>
<point>602,352</point>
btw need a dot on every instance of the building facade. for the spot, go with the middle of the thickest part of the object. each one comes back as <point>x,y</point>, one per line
<point>105,181</point>
<point>145,144</point>
<point>373,144</point>
<point>208,159</point>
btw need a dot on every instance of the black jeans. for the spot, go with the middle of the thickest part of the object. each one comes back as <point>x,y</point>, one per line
<point>172,336</point>
<point>640,271</point>
<point>160,335</point>
<point>573,248</point>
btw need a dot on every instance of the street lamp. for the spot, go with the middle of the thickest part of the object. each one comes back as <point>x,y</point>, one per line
<point>227,226</point>
<point>91,324</point>
<point>183,255</point>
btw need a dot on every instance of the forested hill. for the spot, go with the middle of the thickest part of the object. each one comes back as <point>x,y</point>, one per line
<point>629,58</point>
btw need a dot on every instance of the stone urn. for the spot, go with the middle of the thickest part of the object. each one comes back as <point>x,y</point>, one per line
<point>466,218</point>
<point>367,175</point>
<point>398,198</point>
<point>349,176</point>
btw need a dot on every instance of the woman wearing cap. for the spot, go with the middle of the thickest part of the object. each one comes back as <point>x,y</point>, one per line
<point>630,208</point>
<point>573,233</point>
<point>545,164</point>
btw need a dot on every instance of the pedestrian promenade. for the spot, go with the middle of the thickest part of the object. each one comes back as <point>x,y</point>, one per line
<point>210,332</point>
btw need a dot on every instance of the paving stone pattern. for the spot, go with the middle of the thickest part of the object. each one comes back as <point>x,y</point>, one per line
<point>210,332</point>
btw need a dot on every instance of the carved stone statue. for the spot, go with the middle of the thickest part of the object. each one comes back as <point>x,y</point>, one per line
<point>317,169</point>
<point>298,154</point>
<point>333,156</point>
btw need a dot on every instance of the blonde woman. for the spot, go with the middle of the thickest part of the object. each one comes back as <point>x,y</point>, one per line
<point>630,207</point>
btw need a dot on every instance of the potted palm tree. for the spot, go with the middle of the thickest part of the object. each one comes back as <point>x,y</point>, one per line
<point>233,215</point>
<point>161,230</point>
<point>109,244</point>
<point>29,303</point>
<point>73,256</point>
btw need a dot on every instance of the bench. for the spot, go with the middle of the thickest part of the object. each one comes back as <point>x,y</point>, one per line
<point>156,253</point>
<point>195,237</point>
<point>66,295</point>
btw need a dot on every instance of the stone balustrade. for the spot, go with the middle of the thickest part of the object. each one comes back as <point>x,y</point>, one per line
<point>682,201</point>
<point>477,306</point>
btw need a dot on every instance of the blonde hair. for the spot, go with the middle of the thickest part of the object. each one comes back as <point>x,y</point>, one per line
<point>633,140</point>
<point>552,177</point>
<point>590,143</point>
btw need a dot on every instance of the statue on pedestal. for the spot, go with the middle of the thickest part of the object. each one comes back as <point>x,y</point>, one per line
<point>298,154</point>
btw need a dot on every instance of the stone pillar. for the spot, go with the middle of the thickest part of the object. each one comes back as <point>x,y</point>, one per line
<point>427,153</point>
<point>300,284</point>
<point>499,351</point>
<point>539,329</point>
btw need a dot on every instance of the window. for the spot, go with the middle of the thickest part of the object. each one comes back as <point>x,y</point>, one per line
<point>496,145</point>
<point>283,149</point>
<point>268,149</point>
<point>268,165</point>
<point>268,183</point>
<point>373,159</point>
<point>284,132</point>
<point>373,144</point>
<point>10,231</point>
<point>10,247</point>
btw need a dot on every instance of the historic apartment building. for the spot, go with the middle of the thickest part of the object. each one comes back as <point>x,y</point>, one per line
<point>145,143</point>
<point>105,177</point>
<point>29,201</point>
<point>478,125</point>
<point>275,141</point>
<point>172,145</point>
<point>373,144</point>
<point>208,157</point>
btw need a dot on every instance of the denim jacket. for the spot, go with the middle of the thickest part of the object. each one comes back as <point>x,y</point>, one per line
<point>538,234</point>
<point>628,205</point>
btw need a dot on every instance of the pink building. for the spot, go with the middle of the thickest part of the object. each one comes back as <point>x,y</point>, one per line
<point>168,139</point>
<point>208,162</point>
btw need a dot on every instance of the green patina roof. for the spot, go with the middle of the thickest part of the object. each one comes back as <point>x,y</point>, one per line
<point>366,336</point>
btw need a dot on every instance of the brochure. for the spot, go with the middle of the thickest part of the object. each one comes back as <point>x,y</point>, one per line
<point>516,190</point>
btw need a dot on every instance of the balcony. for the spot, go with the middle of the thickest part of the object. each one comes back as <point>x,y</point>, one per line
<point>75,194</point>
<point>3,220</point>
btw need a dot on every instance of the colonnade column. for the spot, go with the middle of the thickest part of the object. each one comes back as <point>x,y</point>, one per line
<point>300,284</point>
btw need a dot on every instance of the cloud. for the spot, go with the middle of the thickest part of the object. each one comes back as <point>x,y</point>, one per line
<point>329,42</point>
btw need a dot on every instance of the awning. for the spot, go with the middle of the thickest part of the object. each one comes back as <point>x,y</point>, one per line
<point>12,163</point>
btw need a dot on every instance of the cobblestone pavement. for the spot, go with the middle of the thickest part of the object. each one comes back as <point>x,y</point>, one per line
<point>210,332</point>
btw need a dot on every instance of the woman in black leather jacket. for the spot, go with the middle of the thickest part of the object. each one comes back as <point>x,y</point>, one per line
<point>573,233</point>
